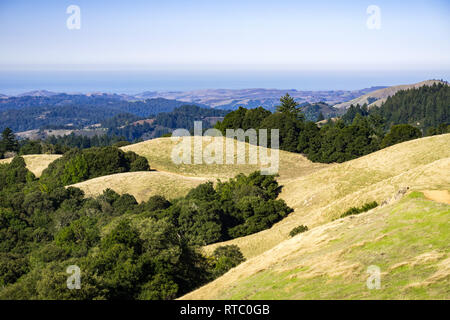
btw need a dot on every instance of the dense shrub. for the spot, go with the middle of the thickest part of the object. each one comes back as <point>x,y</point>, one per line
<point>225,258</point>
<point>400,133</point>
<point>355,210</point>
<point>125,250</point>
<point>298,230</point>
<point>79,165</point>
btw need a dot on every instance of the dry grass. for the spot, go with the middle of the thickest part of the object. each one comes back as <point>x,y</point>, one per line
<point>159,151</point>
<point>442,196</point>
<point>320,197</point>
<point>36,163</point>
<point>141,185</point>
<point>408,240</point>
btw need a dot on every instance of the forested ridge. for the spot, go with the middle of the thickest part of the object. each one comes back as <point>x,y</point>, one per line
<point>407,115</point>
<point>28,113</point>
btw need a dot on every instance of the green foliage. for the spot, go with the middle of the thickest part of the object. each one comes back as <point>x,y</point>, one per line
<point>79,165</point>
<point>75,170</point>
<point>355,210</point>
<point>424,107</point>
<point>359,132</point>
<point>61,144</point>
<point>440,129</point>
<point>225,258</point>
<point>243,118</point>
<point>30,147</point>
<point>288,126</point>
<point>400,133</point>
<point>320,117</point>
<point>290,107</point>
<point>125,250</point>
<point>78,237</point>
<point>12,267</point>
<point>14,174</point>
<point>8,142</point>
<point>298,230</point>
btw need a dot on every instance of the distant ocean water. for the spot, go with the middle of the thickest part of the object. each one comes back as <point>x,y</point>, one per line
<point>131,82</point>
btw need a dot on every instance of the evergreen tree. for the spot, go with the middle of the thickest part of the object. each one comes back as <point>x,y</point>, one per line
<point>290,106</point>
<point>400,133</point>
<point>9,141</point>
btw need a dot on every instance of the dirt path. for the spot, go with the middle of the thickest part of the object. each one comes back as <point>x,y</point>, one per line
<point>442,196</point>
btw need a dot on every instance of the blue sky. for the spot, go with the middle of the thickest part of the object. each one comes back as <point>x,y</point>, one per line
<point>244,34</point>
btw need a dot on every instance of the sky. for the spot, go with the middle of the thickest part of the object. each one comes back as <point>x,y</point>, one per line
<point>225,35</point>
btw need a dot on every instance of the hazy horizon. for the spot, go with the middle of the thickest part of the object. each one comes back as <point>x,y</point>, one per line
<point>239,34</point>
<point>135,46</point>
<point>133,82</point>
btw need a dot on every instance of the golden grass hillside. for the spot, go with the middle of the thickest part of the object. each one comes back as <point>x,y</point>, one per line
<point>318,198</point>
<point>142,185</point>
<point>409,241</point>
<point>36,163</point>
<point>159,151</point>
<point>381,95</point>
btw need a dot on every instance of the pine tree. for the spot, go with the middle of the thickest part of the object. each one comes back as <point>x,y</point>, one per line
<point>290,106</point>
<point>9,141</point>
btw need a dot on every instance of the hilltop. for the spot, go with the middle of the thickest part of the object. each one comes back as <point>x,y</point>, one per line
<point>158,153</point>
<point>407,239</point>
<point>36,163</point>
<point>142,185</point>
<point>320,197</point>
<point>172,181</point>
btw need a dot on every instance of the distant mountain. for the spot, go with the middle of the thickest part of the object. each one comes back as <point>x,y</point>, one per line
<point>377,97</point>
<point>22,113</point>
<point>312,111</point>
<point>252,98</point>
<point>38,93</point>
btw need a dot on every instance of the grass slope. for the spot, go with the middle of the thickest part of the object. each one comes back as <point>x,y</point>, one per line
<point>159,151</point>
<point>36,163</point>
<point>141,185</point>
<point>318,198</point>
<point>408,240</point>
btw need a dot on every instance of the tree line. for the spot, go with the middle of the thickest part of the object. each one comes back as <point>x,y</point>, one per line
<point>358,132</point>
<point>124,250</point>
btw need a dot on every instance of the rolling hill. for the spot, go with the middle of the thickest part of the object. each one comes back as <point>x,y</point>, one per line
<point>323,196</point>
<point>158,153</point>
<point>377,97</point>
<point>407,240</point>
<point>172,181</point>
<point>406,236</point>
<point>142,185</point>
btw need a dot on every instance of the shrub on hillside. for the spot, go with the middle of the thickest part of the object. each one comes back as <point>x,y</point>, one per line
<point>226,258</point>
<point>355,210</point>
<point>298,230</point>
<point>80,165</point>
<point>400,133</point>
